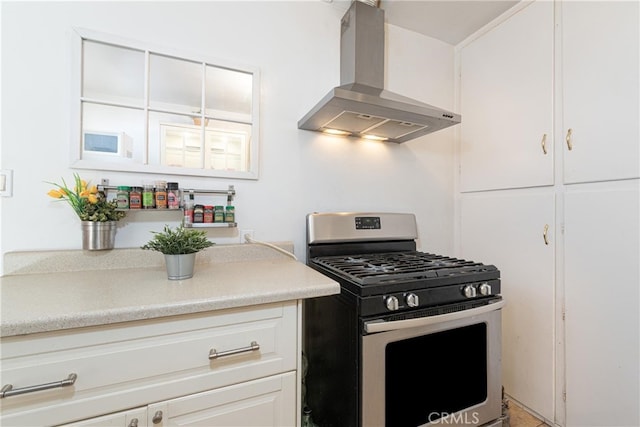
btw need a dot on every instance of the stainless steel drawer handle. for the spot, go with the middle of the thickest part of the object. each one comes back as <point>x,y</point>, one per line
<point>133,423</point>
<point>157,417</point>
<point>214,354</point>
<point>8,390</point>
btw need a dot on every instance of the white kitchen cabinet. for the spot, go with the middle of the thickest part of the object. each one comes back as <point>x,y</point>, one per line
<point>592,349</point>
<point>255,403</point>
<point>507,95</point>
<point>600,90</point>
<point>251,403</point>
<point>131,418</point>
<point>506,102</point>
<point>139,363</point>
<point>181,146</point>
<point>602,294</point>
<point>509,231</point>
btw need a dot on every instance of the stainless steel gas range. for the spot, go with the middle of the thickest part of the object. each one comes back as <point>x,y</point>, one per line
<point>412,339</point>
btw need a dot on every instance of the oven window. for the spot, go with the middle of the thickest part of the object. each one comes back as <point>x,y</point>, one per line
<point>430,376</point>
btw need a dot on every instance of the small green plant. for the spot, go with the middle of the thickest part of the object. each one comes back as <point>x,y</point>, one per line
<point>178,241</point>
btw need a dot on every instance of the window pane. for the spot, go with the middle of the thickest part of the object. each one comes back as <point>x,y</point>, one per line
<point>228,94</point>
<point>174,84</point>
<point>175,141</point>
<point>112,134</point>
<point>227,146</point>
<point>112,73</point>
<point>180,143</point>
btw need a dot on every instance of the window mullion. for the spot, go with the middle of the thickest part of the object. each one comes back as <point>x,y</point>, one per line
<point>147,70</point>
<point>110,103</point>
<point>203,122</point>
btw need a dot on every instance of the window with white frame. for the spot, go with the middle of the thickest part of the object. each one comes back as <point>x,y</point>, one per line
<point>147,109</point>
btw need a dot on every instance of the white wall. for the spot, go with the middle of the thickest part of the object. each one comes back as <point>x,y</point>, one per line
<point>296,46</point>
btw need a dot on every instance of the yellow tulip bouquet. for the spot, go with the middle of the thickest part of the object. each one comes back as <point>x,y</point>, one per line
<point>87,202</point>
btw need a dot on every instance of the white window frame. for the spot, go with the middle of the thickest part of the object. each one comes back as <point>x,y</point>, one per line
<point>78,162</point>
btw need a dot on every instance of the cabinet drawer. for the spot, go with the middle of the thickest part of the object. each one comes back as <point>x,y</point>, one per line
<point>134,363</point>
<point>260,403</point>
<point>133,417</point>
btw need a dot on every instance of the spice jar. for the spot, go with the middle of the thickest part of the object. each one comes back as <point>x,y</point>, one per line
<point>123,197</point>
<point>218,214</point>
<point>161,194</point>
<point>188,209</point>
<point>198,214</point>
<point>135,198</point>
<point>208,214</point>
<point>148,197</point>
<point>230,214</point>
<point>173,195</point>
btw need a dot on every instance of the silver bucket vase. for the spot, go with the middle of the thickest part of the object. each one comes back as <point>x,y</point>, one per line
<point>180,267</point>
<point>98,236</point>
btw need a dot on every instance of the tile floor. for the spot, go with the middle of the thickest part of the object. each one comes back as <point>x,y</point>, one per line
<point>518,417</point>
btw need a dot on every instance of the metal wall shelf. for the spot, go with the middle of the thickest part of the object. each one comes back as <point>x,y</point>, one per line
<point>212,225</point>
<point>230,193</point>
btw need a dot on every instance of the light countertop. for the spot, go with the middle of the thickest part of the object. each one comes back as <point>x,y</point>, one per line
<point>36,300</point>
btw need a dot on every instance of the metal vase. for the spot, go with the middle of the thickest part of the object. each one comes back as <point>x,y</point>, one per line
<point>98,236</point>
<point>180,267</point>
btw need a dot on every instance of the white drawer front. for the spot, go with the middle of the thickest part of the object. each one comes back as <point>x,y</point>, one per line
<point>133,364</point>
<point>260,403</point>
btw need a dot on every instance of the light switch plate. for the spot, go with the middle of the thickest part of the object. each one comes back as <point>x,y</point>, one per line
<point>6,182</point>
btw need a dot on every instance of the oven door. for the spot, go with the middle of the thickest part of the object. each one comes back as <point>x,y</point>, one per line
<point>438,370</point>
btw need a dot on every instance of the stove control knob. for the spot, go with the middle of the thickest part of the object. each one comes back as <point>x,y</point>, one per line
<point>391,302</point>
<point>412,300</point>
<point>469,291</point>
<point>485,289</point>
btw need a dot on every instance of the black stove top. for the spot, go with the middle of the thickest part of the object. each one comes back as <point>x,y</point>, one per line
<point>368,269</point>
<point>374,257</point>
<point>378,273</point>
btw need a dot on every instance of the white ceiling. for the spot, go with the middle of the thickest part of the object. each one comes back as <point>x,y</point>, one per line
<point>448,20</point>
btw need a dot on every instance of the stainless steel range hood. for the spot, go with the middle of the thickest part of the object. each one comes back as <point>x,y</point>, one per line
<point>360,106</point>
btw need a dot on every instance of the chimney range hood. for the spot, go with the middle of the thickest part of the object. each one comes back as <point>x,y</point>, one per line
<point>360,106</point>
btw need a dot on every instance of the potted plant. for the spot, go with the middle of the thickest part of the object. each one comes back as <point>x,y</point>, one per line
<point>179,247</point>
<point>98,216</point>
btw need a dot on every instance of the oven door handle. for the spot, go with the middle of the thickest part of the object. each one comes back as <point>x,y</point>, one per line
<point>382,326</point>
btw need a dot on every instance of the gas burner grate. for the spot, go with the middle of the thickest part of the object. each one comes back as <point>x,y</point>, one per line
<point>397,266</point>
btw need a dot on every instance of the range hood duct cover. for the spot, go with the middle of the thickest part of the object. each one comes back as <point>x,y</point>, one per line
<point>360,106</point>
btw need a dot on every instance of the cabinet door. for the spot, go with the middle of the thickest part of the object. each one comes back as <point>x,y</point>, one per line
<point>600,45</point>
<point>265,402</point>
<point>602,281</point>
<point>507,230</point>
<point>132,418</point>
<point>507,103</point>
<point>181,146</point>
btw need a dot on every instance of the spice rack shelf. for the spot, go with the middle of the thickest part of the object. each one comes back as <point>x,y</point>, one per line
<point>230,193</point>
<point>212,225</point>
